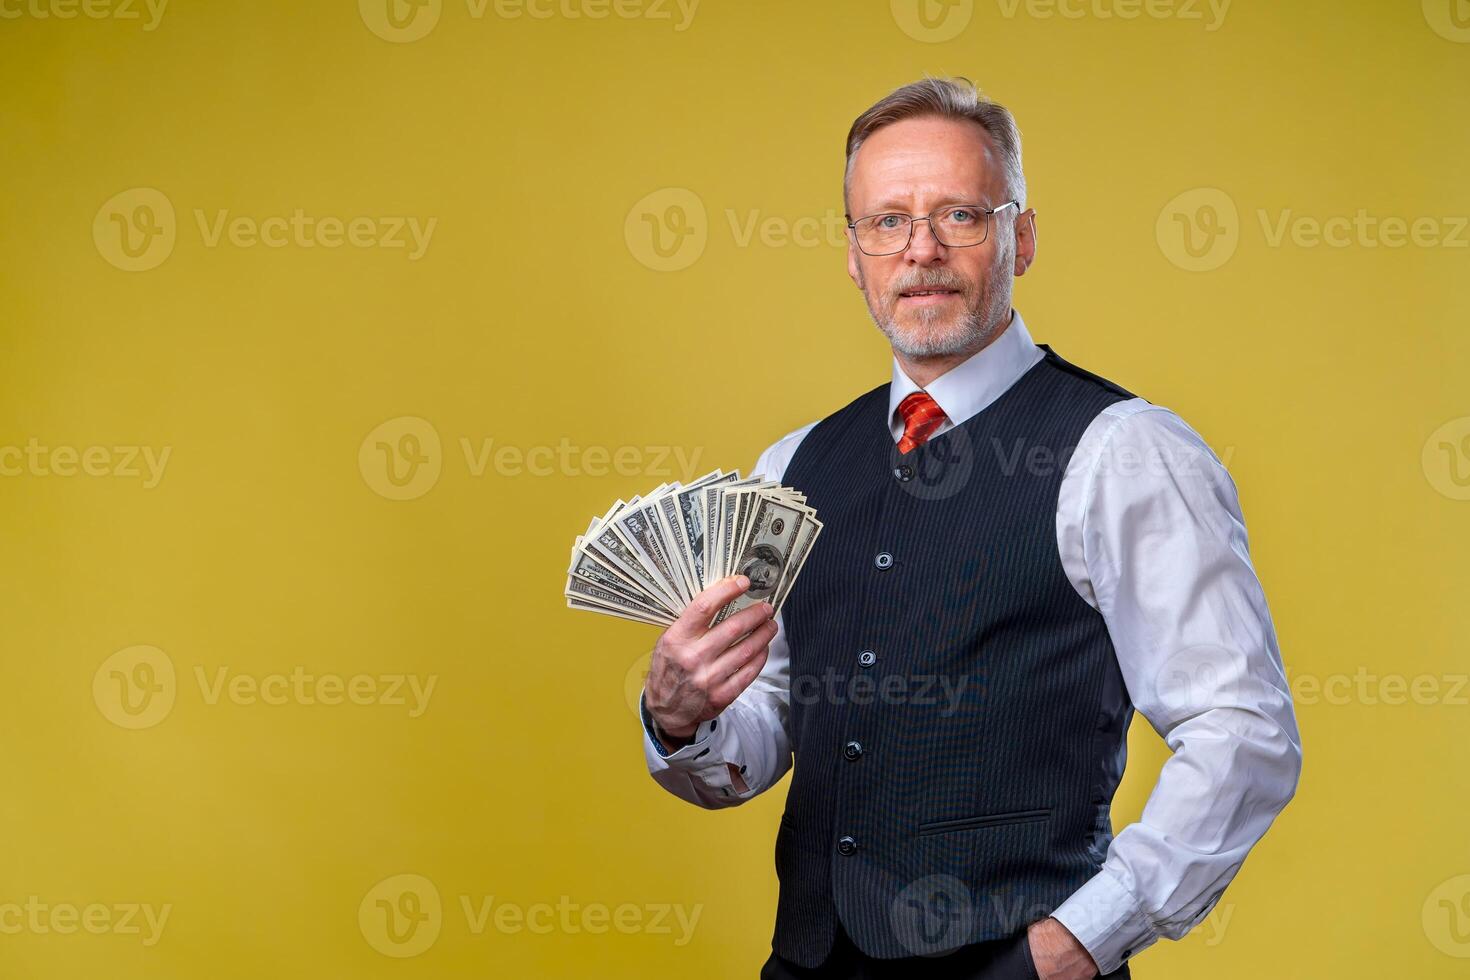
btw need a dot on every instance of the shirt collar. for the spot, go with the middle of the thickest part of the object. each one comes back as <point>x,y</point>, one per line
<point>974,383</point>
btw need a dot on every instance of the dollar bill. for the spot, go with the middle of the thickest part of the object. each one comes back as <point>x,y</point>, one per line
<point>645,559</point>
<point>764,552</point>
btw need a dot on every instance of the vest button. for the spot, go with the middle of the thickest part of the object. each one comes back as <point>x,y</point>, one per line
<point>846,846</point>
<point>852,750</point>
<point>867,658</point>
<point>883,559</point>
<point>903,472</point>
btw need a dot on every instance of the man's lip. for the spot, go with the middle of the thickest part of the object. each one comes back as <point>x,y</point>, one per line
<point>914,293</point>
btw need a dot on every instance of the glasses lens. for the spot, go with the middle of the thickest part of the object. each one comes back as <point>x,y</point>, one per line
<point>961,226</point>
<point>883,234</point>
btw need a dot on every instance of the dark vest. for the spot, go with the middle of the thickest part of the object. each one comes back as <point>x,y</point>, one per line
<point>957,712</point>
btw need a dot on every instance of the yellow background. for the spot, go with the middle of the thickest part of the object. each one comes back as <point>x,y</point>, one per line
<point>1333,380</point>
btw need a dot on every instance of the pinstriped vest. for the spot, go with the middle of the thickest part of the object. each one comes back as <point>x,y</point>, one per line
<point>957,712</point>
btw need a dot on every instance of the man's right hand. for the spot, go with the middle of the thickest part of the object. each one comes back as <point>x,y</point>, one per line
<point>696,671</point>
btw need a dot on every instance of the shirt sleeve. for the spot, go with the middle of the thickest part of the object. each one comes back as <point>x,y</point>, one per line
<point>751,735</point>
<point>1151,533</point>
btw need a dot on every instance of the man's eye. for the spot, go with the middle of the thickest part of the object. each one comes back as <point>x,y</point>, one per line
<point>888,222</point>
<point>962,216</point>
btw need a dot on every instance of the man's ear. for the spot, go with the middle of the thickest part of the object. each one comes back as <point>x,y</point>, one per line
<point>1025,240</point>
<point>854,266</point>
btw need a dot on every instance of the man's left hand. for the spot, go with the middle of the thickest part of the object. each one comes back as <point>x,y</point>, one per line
<point>1057,953</point>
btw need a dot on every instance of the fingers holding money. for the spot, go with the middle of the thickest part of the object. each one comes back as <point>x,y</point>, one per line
<point>712,562</point>
<point>742,663</point>
<point>728,631</point>
<point>694,621</point>
<point>696,671</point>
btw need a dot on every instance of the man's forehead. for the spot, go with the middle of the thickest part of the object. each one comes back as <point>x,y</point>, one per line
<point>926,158</point>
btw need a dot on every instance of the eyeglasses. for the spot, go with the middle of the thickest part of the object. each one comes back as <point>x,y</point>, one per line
<point>956,226</point>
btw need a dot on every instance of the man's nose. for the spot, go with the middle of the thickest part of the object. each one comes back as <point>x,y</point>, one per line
<point>924,248</point>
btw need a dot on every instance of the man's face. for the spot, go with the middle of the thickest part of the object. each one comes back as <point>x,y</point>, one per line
<point>917,166</point>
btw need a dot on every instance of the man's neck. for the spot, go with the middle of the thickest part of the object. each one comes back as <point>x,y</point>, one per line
<point>923,370</point>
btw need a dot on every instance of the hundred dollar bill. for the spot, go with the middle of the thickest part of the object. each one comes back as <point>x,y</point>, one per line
<point>764,554</point>
<point>735,506</point>
<point>714,519</point>
<point>806,536</point>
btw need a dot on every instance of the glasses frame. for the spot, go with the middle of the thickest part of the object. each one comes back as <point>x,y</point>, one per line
<point>914,219</point>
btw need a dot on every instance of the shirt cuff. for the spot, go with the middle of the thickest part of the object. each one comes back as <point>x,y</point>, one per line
<point>1108,921</point>
<point>696,749</point>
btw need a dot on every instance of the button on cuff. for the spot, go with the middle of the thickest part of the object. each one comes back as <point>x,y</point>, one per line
<point>1107,920</point>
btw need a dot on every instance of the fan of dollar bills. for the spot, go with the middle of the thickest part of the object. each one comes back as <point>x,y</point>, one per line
<point>647,558</point>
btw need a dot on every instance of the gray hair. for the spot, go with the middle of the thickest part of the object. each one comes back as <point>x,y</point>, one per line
<point>947,98</point>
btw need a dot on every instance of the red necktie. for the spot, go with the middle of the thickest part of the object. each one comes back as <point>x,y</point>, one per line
<point>921,416</point>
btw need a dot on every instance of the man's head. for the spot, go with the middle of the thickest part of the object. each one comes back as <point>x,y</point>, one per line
<point>929,145</point>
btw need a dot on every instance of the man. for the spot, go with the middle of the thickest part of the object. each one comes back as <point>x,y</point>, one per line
<point>1035,543</point>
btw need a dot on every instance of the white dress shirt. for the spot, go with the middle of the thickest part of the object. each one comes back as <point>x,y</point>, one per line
<point>1150,533</point>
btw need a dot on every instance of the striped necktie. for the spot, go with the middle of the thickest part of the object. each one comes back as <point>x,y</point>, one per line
<point>921,416</point>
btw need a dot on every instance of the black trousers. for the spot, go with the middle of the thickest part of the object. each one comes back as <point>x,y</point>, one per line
<point>998,959</point>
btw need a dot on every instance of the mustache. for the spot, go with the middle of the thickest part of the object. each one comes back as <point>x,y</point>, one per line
<point>944,279</point>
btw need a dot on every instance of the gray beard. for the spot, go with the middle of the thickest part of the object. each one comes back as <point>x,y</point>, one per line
<point>973,330</point>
